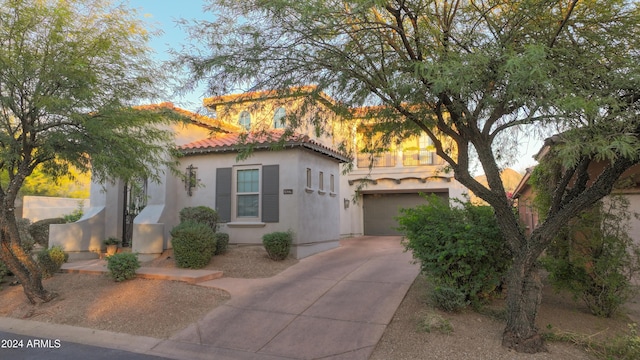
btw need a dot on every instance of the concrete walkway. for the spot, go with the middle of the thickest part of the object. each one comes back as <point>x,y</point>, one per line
<point>333,305</point>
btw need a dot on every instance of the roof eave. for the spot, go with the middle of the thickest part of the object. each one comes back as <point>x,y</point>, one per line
<point>261,147</point>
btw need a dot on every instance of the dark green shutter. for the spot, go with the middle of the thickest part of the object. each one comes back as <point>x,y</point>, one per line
<point>223,194</point>
<point>271,193</point>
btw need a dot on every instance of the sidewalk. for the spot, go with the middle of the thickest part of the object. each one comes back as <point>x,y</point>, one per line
<point>333,305</point>
<point>100,267</point>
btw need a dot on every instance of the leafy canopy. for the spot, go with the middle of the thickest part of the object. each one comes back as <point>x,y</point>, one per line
<point>70,72</point>
<point>470,69</point>
<point>480,74</point>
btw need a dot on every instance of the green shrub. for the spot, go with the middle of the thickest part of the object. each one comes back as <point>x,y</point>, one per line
<point>39,230</point>
<point>449,298</point>
<point>459,248</point>
<point>111,240</point>
<point>51,260</point>
<point>123,266</point>
<point>278,244</point>
<point>594,258</point>
<point>434,322</point>
<point>200,214</point>
<point>222,240</point>
<point>193,244</point>
<point>76,214</point>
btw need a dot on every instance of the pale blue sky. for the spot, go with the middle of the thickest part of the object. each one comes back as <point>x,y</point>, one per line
<point>162,15</point>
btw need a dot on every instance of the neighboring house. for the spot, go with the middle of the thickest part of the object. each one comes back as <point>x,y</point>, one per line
<point>292,180</point>
<point>510,180</point>
<point>524,194</point>
<point>523,197</point>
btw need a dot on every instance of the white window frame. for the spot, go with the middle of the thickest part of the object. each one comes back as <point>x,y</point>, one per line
<point>244,115</point>
<point>236,194</point>
<point>278,116</point>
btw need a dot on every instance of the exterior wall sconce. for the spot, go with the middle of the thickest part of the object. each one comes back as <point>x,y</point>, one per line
<point>190,179</point>
<point>346,203</point>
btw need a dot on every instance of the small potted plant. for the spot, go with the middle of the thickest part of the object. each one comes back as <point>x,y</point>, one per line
<point>112,245</point>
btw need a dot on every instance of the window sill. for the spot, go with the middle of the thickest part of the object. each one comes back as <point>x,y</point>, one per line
<point>321,192</point>
<point>332,194</point>
<point>248,224</point>
<point>308,190</point>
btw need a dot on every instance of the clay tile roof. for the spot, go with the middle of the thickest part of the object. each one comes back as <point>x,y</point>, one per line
<point>257,95</point>
<point>263,140</point>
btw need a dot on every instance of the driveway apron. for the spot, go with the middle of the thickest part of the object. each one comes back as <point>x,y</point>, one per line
<point>333,305</point>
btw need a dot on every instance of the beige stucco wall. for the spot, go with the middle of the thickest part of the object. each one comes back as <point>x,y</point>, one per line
<point>83,239</point>
<point>391,180</point>
<point>104,217</point>
<point>262,114</point>
<point>37,208</point>
<point>311,215</point>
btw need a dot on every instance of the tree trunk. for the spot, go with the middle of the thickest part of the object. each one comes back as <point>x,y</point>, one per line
<point>524,293</point>
<point>20,262</point>
<point>27,272</point>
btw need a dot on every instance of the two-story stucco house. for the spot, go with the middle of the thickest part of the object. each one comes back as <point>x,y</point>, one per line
<point>291,180</point>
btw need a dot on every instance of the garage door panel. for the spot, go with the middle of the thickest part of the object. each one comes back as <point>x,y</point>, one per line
<point>380,210</point>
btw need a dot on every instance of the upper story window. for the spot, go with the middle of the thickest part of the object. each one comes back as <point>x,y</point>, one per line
<point>375,149</point>
<point>419,151</point>
<point>245,120</point>
<point>278,118</point>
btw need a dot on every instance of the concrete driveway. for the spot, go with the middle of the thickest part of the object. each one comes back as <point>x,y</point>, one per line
<point>333,305</point>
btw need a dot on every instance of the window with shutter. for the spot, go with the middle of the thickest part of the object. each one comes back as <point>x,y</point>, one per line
<point>223,194</point>
<point>271,193</point>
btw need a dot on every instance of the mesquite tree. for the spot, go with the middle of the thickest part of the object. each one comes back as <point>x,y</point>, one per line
<point>471,72</point>
<point>69,73</point>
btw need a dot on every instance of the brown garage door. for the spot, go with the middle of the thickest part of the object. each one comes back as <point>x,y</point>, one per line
<point>380,210</point>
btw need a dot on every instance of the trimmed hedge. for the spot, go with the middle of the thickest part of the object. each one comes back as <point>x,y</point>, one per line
<point>222,240</point>
<point>460,248</point>
<point>278,244</point>
<point>39,230</point>
<point>193,244</point>
<point>51,260</point>
<point>123,266</point>
<point>200,214</point>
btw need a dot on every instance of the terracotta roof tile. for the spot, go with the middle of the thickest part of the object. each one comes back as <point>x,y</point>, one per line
<point>259,140</point>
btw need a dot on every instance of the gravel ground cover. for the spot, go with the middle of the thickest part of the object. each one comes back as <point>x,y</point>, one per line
<point>418,331</point>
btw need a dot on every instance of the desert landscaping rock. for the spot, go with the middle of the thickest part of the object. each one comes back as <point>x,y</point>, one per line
<point>160,309</point>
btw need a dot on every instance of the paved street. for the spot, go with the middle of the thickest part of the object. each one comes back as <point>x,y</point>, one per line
<point>35,348</point>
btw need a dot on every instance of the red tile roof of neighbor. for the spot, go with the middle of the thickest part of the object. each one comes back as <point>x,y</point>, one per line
<point>263,140</point>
